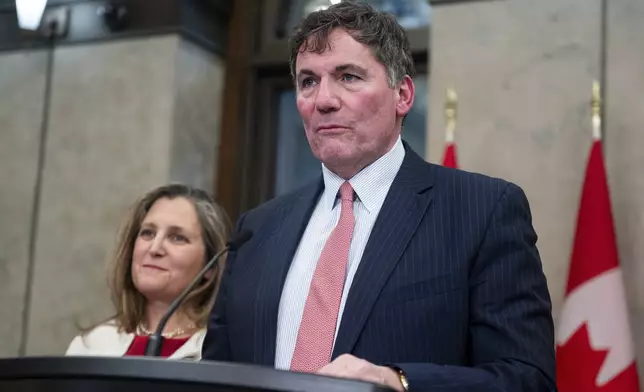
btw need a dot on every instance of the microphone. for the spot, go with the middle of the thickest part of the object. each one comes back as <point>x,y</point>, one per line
<point>155,341</point>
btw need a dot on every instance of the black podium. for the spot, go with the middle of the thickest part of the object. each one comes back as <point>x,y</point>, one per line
<point>141,374</point>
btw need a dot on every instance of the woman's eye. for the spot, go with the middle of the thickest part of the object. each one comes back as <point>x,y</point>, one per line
<point>178,238</point>
<point>146,233</point>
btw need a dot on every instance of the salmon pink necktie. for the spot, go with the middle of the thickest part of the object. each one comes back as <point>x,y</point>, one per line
<point>317,328</point>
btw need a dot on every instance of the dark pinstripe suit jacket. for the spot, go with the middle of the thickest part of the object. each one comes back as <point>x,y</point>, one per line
<point>450,287</point>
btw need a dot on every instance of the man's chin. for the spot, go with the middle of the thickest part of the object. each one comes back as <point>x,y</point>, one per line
<point>344,165</point>
<point>332,158</point>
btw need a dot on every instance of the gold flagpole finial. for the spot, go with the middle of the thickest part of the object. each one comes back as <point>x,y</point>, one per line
<point>596,111</point>
<point>451,106</point>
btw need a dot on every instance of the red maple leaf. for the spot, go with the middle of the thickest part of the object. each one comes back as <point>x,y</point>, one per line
<point>578,365</point>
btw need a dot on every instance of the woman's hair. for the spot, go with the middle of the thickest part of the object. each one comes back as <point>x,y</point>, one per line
<point>128,302</point>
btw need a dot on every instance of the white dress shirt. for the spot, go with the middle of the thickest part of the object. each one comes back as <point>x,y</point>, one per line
<point>371,186</point>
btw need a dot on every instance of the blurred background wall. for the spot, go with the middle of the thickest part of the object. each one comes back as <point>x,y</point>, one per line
<point>523,71</point>
<point>88,124</point>
<point>200,92</point>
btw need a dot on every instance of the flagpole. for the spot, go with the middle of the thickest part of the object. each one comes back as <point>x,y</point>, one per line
<point>596,111</point>
<point>451,106</point>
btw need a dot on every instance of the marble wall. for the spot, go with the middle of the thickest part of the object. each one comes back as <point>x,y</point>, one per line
<point>199,87</point>
<point>523,70</point>
<point>22,87</point>
<point>125,116</point>
<point>109,133</point>
<point>624,149</point>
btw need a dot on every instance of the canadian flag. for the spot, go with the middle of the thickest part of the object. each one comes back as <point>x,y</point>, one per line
<point>594,344</point>
<point>449,157</point>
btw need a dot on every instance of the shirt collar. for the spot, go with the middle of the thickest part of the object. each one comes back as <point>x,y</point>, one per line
<point>371,184</point>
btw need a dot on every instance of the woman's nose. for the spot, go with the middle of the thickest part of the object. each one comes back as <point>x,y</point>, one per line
<point>157,247</point>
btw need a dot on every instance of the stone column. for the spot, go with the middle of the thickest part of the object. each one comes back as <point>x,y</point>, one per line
<point>22,87</point>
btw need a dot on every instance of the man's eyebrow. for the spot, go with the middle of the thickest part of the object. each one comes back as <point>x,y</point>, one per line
<point>350,67</point>
<point>339,68</point>
<point>305,72</point>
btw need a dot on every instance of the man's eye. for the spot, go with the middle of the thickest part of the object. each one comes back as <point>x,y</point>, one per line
<point>349,77</point>
<point>308,82</point>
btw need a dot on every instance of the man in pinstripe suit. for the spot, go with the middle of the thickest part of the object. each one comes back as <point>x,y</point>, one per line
<point>420,277</point>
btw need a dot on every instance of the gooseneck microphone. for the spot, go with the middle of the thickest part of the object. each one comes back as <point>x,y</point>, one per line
<point>155,341</point>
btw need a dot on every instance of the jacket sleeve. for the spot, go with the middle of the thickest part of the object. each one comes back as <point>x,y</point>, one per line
<point>511,328</point>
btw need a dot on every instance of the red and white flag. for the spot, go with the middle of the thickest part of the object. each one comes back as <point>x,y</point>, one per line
<point>449,157</point>
<point>595,350</point>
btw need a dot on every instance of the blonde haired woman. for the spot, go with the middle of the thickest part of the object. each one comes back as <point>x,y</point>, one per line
<point>169,235</point>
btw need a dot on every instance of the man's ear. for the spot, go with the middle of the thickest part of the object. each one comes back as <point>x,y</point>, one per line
<point>405,96</point>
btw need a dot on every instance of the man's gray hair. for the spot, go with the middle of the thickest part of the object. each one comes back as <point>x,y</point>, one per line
<point>378,30</point>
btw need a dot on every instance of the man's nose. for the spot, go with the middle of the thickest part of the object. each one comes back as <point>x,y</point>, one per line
<point>327,99</point>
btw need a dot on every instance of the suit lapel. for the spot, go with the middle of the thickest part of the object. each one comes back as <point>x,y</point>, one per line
<point>277,256</point>
<point>402,211</point>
